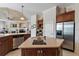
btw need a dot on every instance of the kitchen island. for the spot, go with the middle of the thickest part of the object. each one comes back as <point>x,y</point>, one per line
<point>53,47</point>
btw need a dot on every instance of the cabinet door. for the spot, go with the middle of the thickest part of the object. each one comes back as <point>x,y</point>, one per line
<point>49,52</point>
<point>39,52</point>
<point>39,23</point>
<point>69,16</point>
<point>26,36</point>
<point>10,43</point>
<point>1,47</point>
<point>29,52</point>
<point>6,45</point>
<point>59,18</point>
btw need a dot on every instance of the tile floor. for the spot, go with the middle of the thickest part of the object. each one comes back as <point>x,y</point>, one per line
<point>14,53</point>
<point>68,53</point>
<point>18,53</point>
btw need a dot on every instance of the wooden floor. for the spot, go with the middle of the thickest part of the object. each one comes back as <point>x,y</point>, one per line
<point>18,53</point>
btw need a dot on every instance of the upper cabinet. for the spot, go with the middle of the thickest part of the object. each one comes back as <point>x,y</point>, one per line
<point>68,16</point>
<point>39,27</point>
<point>39,23</point>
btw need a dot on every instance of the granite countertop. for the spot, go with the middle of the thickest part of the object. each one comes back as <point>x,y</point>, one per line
<point>3,35</point>
<point>50,43</point>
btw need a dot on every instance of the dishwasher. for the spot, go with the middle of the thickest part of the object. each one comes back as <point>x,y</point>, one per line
<point>17,40</point>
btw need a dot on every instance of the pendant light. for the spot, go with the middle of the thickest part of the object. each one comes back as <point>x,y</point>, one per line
<point>8,16</point>
<point>22,17</point>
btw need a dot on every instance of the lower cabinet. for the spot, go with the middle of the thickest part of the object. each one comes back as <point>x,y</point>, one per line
<point>26,36</point>
<point>6,45</point>
<point>41,52</point>
<point>28,52</point>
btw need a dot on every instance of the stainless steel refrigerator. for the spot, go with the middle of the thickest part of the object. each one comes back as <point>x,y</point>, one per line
<point>66,30</point>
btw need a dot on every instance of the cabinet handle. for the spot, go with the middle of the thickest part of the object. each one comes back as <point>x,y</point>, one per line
<point>41,51</point>
<point>38,51</point>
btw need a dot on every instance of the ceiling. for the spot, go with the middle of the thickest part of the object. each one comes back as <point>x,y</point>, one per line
<point>11,14</point>
<point>33,8</point>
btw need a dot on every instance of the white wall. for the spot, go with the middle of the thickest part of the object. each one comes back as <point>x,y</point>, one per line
<point>2,24</point>
<point>76,8</point>
<point>49,27</point>
<point>33,22</point>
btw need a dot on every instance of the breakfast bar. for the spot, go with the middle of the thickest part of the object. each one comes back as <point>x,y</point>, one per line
<point>46,46</point>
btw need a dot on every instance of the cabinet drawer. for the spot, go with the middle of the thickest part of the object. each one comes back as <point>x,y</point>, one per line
<point>29,52</point>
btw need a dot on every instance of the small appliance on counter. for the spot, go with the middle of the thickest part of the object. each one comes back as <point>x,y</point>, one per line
<point>21,31</point>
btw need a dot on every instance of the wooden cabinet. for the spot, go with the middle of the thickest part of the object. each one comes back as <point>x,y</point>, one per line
<point>39,23</point>
<point>39,30</point>
<point>1,47</point>
<point>6,45</point>
<point>26,36</point>
<point>28,52</point>
<point>59,18</point>
<point>50,52</point>
<point>10,43</point>
<point>41,51</point>
<point>68,16</point>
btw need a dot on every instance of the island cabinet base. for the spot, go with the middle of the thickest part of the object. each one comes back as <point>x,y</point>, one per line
<point>41,51</point>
